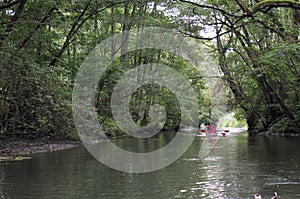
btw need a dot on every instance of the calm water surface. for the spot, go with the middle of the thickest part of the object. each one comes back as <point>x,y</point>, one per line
<point>239,166</point>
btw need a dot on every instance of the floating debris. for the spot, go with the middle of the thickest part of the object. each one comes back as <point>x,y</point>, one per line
<point>12,158</point>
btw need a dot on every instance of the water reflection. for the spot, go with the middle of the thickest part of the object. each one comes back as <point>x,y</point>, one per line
<point>239,166</point>
<point>233,170</point>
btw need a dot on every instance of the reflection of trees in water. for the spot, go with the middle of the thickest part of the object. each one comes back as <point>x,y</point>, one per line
<point>226,171</point>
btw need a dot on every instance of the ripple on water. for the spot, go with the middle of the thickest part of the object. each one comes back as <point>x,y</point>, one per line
<point>191,159</point>
<point>282,183</point>
<point>213,158</point>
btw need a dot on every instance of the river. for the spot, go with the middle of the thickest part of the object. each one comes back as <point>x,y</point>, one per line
<point>239,166</point>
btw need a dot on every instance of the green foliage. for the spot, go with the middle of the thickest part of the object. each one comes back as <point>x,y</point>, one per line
<point>229,120</point>
<point>43,43</point>
<point>285,125</point>
<point>148,95</point>
<point>42,46</point>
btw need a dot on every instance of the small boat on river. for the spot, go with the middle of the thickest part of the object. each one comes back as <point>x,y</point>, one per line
<point>188,129</point>
<point>224,133</point>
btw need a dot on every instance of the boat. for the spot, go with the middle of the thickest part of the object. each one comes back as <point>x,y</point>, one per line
<point>224,133</point>
<point>201,134</point>
<point>187,129</point>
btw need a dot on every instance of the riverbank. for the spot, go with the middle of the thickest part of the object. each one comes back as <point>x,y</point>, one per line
<point>269,133</point>
<point>275,134</point>
<point>28,147</point>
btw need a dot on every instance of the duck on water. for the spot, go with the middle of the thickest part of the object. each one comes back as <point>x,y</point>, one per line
<point>258,196</point>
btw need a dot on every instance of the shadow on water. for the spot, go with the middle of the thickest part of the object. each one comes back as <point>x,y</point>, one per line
<point>238,166</point>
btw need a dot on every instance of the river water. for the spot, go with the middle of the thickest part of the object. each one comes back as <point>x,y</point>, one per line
<point>239,166</point>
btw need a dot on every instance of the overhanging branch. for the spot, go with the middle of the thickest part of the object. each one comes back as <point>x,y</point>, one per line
<point>274,3</point>
<point>209,7</point>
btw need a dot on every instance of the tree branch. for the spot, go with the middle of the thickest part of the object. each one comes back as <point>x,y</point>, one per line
<point>8,5</point>
<point>70,35</point>
<point>75,27</point>
<point>209,7</point>
<point>243,6</point>
<point>13,20</point>
<point>248,12</point>
<point>274,3</point>
<point>24,42</point>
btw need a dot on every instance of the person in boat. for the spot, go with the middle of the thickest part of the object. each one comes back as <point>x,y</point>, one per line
<point>208,128</point>
<point>213,128</point>
<point>203,128</point>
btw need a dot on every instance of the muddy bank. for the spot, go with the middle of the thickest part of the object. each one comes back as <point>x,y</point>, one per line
<point>28,147</point>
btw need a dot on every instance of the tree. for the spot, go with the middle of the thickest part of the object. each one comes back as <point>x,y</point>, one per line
<point>245,31</point>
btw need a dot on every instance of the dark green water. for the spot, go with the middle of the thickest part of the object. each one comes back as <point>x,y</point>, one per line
<point>239,166</point>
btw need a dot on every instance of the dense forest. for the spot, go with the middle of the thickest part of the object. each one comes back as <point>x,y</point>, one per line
<point>254,45</point>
